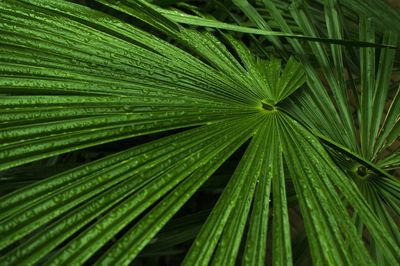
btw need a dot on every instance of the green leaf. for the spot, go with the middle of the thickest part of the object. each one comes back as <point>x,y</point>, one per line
<point>230,240</point>
<point>124,178</point>
<point>317,182</point>
<point>183,18</point>
<point>301,13</point>
<point>136,239</point>
<point>257,19</point>
<point>245,175</point>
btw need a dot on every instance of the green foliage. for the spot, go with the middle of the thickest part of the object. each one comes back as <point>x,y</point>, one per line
<point>307,89</point>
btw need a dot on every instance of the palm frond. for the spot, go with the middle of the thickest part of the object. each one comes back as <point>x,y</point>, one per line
<point>318,118</point>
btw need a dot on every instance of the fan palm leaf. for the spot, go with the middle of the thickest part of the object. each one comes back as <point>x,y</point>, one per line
<point>74,77</point>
